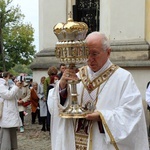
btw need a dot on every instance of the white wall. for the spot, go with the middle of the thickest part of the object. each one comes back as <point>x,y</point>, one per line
<point>50,13</point>
<point>119,20</point>
<point>123,19</point>
<point>37,74</point>
<point>141,77</point>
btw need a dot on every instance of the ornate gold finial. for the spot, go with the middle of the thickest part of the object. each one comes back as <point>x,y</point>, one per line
<point>70,19</point>
<point>70,14</point>
<point>71,46</point>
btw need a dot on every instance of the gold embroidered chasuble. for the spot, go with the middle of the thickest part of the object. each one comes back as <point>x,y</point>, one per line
<point>82,126</point>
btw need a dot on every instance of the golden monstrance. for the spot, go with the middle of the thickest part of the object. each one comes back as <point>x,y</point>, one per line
<point>71,49</point>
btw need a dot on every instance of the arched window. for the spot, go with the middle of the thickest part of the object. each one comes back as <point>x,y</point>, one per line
<point>87,11</point>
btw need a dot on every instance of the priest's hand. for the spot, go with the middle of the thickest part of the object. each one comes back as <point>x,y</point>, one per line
<point>93,116</point>
<point>69,74</point>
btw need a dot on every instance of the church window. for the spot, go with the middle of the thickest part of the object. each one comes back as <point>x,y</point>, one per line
<point>87,11</point>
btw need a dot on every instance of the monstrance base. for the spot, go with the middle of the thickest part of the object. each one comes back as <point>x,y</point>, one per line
<point>74,112</point>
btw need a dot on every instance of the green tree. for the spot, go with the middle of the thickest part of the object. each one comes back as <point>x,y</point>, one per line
<point>16,38</point>
<point>17,69</point>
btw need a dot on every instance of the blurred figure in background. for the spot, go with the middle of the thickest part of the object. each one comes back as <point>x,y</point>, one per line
<point>52,73</point>
<point>62,68</point>
<point>10,81</point>
<point>34,103</point>
<point>10,119</point>
<point>22,96</point>
<point>30,83</point>
<point>42,103</point>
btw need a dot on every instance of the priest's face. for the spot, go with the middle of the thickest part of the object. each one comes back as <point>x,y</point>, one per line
<point>98,54</point>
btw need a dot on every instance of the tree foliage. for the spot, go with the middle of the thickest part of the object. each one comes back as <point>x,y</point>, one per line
<point>18,69</point>
<point>16,38</point>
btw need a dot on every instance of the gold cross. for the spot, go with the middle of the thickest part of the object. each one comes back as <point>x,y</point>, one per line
<point>70,14</point>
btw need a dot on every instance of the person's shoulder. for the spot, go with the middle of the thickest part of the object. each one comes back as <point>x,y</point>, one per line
<point>47,78</point>
<point>124,71</point>
<point>122,74</point>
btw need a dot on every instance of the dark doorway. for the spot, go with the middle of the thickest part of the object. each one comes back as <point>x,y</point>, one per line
<point>87,11</point>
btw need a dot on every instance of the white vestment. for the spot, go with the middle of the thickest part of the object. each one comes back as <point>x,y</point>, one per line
<point>119,103</point>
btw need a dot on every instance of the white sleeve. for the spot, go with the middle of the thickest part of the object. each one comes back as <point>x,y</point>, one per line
<point>8,94</point>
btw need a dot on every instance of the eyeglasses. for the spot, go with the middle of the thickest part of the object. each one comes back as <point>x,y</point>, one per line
<point>94,54</point>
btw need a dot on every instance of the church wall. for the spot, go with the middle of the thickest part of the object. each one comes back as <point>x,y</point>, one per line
<point>124,20</point>
<point>105,17</point>
<point>37,74</point>
<point>141,77</point>
<point>51,12</point>
<point>147,20</point>
<point>121,21</point>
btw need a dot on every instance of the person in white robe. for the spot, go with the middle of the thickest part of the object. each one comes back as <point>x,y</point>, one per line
<point>42,103</point>
<point>118,120</point>
<point>10,119</point>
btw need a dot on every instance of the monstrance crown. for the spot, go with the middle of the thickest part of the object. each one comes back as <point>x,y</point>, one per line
<point>71,47</point>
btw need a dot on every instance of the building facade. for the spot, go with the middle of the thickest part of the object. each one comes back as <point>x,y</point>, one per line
<point>126,24</point>
<point>127,28</point>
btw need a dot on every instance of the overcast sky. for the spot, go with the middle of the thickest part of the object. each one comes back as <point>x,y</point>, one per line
<point>30,9</point>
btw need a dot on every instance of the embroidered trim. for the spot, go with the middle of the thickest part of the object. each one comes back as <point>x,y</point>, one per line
<point>81,140</point>
<point>108,131</point>
<point>92,85</point>
<point>90,146</point>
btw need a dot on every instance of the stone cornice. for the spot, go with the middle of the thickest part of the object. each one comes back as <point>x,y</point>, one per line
<point>133,64</point>
<point>131,54</point>
<point>46,52</point>
<point>129,45</point>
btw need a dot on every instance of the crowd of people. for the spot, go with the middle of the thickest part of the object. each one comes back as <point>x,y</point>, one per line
<point>16,95</point>
<point>117,121</point>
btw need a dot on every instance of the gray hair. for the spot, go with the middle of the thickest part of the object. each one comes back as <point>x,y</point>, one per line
<point>104,40</point>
